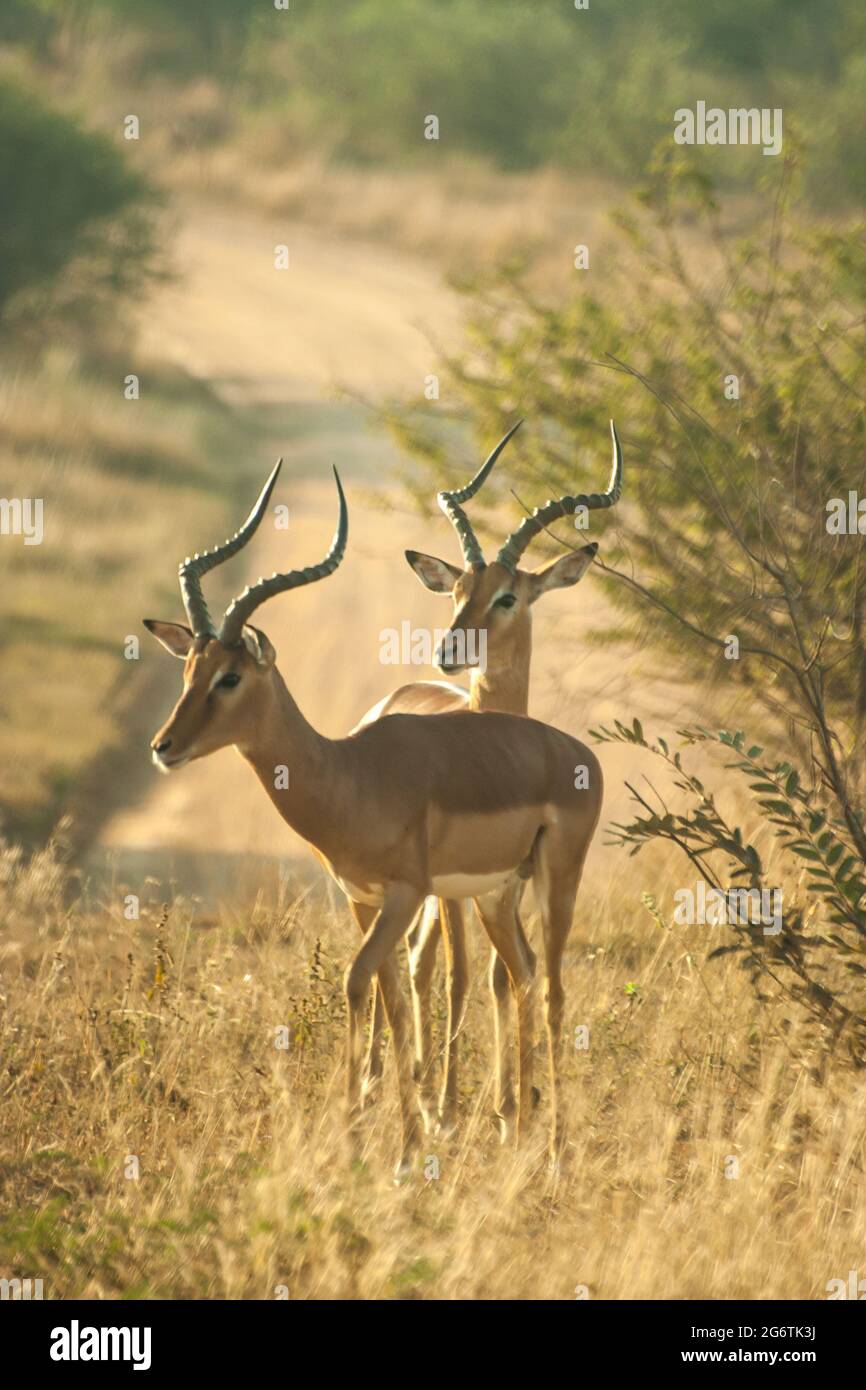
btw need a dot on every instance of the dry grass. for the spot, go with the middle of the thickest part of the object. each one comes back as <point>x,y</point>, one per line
<point>156,1039</point>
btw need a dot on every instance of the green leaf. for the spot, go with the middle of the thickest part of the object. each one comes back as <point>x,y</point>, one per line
<point>845,868</point>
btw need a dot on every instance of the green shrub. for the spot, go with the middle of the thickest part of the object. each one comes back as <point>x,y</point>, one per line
<point>811,949</point>
<point>68,197</point>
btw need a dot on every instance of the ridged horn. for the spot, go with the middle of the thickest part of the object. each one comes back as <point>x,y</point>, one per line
<point>193,567</point>
<point>240,609</point>
<point>450,504</point>
<point>563,506</point>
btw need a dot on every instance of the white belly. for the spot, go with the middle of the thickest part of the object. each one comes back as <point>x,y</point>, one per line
<point>443,886</point>
<point>371,896</point>
<point>470,885</point>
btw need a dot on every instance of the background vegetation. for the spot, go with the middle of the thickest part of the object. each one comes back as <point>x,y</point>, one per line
<point>515,84</point>
<point>80,245</point>
<point>518,86</point>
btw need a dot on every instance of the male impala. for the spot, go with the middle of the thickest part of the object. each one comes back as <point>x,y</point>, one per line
<point>495,600</point>
<point>451,805</point>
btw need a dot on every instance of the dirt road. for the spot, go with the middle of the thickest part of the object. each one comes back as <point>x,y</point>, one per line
<point>343,318</point>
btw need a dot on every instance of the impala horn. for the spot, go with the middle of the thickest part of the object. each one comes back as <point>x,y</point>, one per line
<point>450,504</point>
<point>564,506</point>
<point>239,610</point>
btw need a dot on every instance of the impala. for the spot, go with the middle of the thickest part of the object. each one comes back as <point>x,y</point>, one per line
<point>494,600</point>
<point>452,805</point>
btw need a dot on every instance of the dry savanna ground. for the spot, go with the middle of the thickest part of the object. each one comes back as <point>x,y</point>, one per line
<point>157,1143</point>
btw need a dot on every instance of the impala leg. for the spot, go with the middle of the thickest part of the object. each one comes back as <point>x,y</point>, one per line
<point>556,900</point>
<point>497,912</point>
<point>505,1101</point>
<point>502,989</point>
<point>457,979</point>
<point>423,944</point>
<point>375,955</point>
<point>374,1062</point>
<point>532,962</point>
<point>387,985</point>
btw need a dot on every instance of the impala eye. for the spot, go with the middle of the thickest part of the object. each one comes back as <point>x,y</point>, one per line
<point>505,601</point>
<point>230,679</point>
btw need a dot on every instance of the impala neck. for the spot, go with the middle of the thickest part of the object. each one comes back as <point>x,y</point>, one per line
<point>503,687</point>
<point>282,741</point>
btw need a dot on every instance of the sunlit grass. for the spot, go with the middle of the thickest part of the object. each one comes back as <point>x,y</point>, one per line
<point>155,1039</point>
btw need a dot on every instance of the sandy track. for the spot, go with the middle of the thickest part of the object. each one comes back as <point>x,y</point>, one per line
<point>344,316</point>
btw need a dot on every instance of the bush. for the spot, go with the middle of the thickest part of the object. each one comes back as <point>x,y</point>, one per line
<point>68,198</point>
<point>811,950</point>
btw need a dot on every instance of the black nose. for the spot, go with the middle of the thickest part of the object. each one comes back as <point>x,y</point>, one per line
<point>162,747</point>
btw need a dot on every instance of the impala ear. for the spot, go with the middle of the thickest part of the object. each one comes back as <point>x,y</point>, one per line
<point>562,573</point>
<point>175,637</point>
<point>258,646</point>
<point>434,574</point>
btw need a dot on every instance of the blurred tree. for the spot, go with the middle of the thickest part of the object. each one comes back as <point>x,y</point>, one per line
<point>26,21</point>
<point>69,200</point>
<point>519,83</point>
<point>195,36</point>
